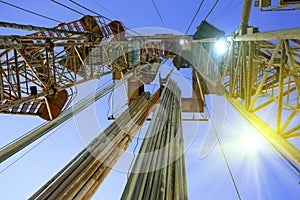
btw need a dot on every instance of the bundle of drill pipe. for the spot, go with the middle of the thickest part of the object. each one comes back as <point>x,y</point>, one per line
<point>159,170</point>
<point>82,176</point>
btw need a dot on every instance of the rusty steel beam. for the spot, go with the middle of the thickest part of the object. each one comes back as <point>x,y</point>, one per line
<point>39,28</point>
<point>48,60</point>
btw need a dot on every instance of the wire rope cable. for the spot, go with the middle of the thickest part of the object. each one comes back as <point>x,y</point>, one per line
<point>98,14</point>
<point>199,7</point>
<point>158,13</point>
<point>63,5</point>
<point>29,11</point>
<point>84,7</point>
<point>134,152</point>
<point>231,6</point>
<point>224,155</point>
<point>33,147</point>
<point>112,14</point>
<point>211,10</point>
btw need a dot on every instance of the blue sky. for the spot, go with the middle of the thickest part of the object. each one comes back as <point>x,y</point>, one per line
<point>259,173</point>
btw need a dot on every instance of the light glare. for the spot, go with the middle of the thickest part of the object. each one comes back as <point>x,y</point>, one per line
<point>181,41</point>
<point>220,47</point>
<point>229,39</point>
<point>251,142</point>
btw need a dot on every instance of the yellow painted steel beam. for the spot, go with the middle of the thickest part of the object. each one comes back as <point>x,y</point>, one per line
<point>293,66</point>
<point>267,131</point>
<point>288,121</point>
<point>293,136</point>
<point>291,131</point>
<point>262,81</point>
<point>280,92</point>
<point>271,35</point>
<point>274,99</point>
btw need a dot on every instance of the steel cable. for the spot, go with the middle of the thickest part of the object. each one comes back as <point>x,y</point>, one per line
<point>226,10</point>
<point>199,7</point>
<point>224,155</point>
<point>61,4</point>
<point>158,13</point>
<point>29,11</point>
<point>84,7</point>
<point>211,10</point>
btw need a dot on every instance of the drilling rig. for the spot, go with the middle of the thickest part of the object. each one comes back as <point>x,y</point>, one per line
<point>39,72</point>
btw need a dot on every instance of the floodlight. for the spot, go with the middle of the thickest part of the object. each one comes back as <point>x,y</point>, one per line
<point>182,41</point>
<point>221,46</point>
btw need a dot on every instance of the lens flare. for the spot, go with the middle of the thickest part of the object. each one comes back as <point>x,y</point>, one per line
<point>182,41</point>
<point>221,47</point>
<point>251,142</point>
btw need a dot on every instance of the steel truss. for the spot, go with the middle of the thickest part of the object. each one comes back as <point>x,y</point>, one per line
<point>261,72</point>
<point>36,70</point>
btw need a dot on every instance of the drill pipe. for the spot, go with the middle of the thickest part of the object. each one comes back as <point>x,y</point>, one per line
<point>86,171</point>
<point>51,185</point>
<point>122,146</point>
<point>101,147</point>
<point>161,175</point>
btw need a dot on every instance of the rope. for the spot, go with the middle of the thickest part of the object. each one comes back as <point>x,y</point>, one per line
<point>36,145</point>
<point>199,7</point>
<point>134,152</point>
<point>89,10</point>
<point>211,10</point>
<point>67,7</point>
<point>106,9</point>
<point>226,10</point>
<point>224,155</point>
<point>40,15</point>
<point>78,4</point>
<point>158,13</point>
<point>108,103</point>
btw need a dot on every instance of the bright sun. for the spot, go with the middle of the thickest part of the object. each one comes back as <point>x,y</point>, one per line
<point>251,142</point>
